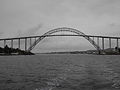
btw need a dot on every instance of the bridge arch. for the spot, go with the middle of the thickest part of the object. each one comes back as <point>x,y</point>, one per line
<point>64,29</point>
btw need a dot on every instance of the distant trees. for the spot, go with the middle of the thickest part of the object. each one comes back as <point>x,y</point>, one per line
<point>8,51</point>
<point>117,49</point>
<point>1,50</point>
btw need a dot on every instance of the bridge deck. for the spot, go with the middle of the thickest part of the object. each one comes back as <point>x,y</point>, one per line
<point>59,35</point>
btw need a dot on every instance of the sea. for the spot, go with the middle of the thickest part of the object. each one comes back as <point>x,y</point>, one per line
<point>60,72</point>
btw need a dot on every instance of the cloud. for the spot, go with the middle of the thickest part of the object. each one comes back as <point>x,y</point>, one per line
<point>95,17</point>
<point>1,34</point>
<point>24,33</point>
<point>30,32</point>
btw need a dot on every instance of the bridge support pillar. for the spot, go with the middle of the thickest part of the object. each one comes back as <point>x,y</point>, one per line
<point>19,43</point>
<point>12,43</point>
<point>109,42</point>
<point>99,52</point>
<point>117,43</point>
<point>103,43</point>
<point>4,43</point>
<point>25,44</point>
<point>30,41</point>
<point>35,41</point>
<point>98,41</point>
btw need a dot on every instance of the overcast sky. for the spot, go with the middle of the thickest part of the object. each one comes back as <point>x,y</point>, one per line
<point>35,17</point>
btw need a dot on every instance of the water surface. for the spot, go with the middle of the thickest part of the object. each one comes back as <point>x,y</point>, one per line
<point>60,72</point>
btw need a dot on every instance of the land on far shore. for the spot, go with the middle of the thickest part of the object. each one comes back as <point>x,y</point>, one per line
<point>108,51</point>
<point>13,51</point>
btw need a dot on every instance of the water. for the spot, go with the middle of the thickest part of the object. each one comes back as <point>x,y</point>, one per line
<point>60,72</point>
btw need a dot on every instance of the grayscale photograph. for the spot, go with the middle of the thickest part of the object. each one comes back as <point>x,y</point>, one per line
<point>59,44</point>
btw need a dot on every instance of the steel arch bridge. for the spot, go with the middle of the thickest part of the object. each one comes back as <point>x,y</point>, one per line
<point>31,41</point>
<point>64,29</point>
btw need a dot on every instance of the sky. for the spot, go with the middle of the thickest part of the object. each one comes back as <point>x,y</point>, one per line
<point>35,17</point>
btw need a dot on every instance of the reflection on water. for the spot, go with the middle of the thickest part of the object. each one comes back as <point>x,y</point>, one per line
<point>60,72</point>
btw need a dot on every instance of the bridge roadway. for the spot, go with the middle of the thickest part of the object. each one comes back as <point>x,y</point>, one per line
<point>60,35</point>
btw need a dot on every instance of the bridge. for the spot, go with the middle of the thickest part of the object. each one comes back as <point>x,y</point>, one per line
<point>31,41</point>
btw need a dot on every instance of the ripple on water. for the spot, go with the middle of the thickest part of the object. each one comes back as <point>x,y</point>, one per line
<point>61,72</point>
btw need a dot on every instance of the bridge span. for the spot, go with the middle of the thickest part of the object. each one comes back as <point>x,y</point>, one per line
<point>31,41</point>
